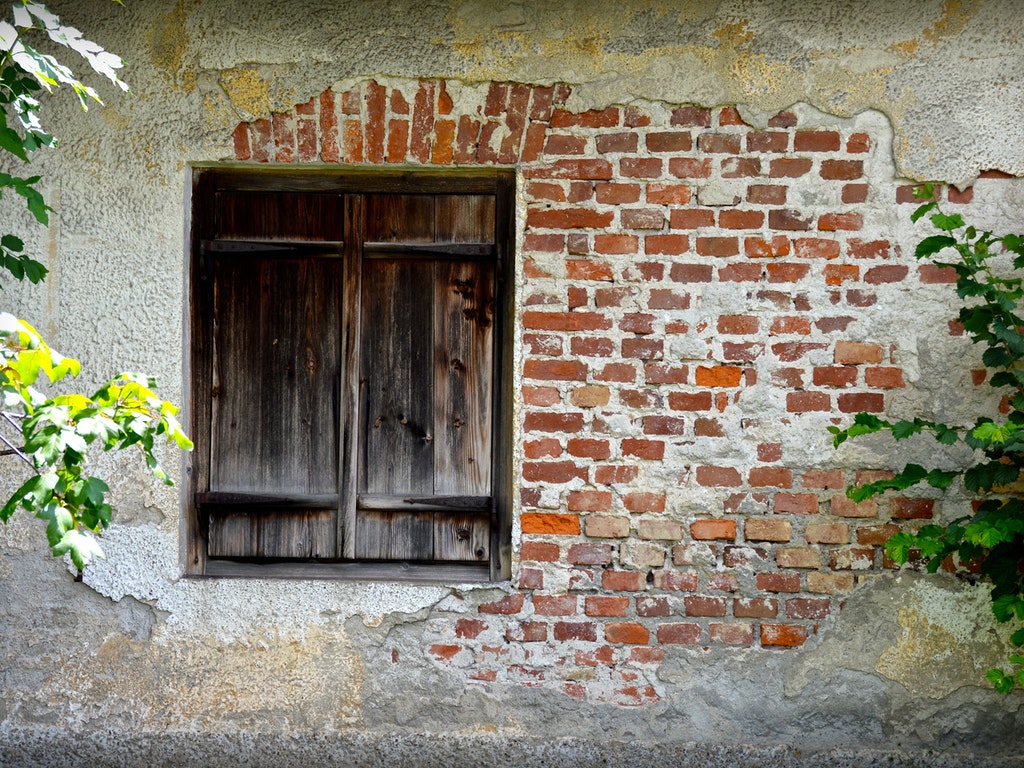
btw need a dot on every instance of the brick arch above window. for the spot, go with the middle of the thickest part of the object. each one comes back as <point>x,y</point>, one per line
<point>427,122</point>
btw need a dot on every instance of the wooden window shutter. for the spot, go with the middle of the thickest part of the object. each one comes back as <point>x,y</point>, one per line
<point>426,376</point>
<point>348,372</point>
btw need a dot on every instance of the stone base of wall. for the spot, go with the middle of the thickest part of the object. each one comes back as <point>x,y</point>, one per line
<point>53,747</point>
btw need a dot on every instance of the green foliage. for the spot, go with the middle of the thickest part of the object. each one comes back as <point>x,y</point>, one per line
<point>54,434</point>
<point>989,280</point>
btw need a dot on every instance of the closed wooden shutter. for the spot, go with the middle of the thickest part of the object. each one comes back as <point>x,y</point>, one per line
<point>346,339</point>
<point>426,372</point>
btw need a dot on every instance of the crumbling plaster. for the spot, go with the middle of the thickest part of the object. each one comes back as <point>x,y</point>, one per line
<point>135,647</point>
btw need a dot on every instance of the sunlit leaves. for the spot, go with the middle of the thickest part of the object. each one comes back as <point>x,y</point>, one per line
<point>991,539</point>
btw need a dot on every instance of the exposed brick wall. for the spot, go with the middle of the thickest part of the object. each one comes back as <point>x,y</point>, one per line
<point>687,279</point>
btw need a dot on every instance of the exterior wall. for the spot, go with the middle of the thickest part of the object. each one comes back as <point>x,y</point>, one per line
<point>702,289</point>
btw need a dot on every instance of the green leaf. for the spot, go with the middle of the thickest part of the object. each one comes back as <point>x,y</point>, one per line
<point>932,245</point>
<point>1017,638</point>
<point>947,223</point>
<point>1003,607</point>
<point>1000,680</point>
<point>922,210</point>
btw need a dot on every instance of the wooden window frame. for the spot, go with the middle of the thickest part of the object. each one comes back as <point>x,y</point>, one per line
<point>207,180</point>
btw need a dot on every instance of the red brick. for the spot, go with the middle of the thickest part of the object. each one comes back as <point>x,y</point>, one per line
<point>689,167</point>
<point>855,402</point>
<point>616,244</point>
<point>666,245</point>
<point>644,502</point>
<point>640,167</point>
<point>570,168</point>
<point>617,142</point>
<point>876,535</point>
<point>766,194</point>
<point>783,635</point>
<point>643,449</point>
<point>716,246</point>
<point>841,506</point>
<point>554,605</point>
<point>835,376</point>
<point>568,218</point>
<point>589,448</point>
<point>664,425</point>
<point>621,372</point>
<point>960,198</point>
<point>539,552</point>
<point>693,117</point>
<point>508,605</point>
<point>786,273</point>
<point>697,605</point>
<point>827,533</point>
<point>835,222</point>
<point>789,167</point>
<point>539,449</point>
<point>884,378</point>
<point>549,523</point>
<point>789,351</point>
<point>853,353</point>
<point>719,376</point>
<point>842,170</point>
<point>555,370</point>
<point>738,324</point>
<point>889,273</point>
<point>691,218</point>
<point>675,581</point>
<point>665,298</point>
<point>610,474</point>
<point>815,248</point>
<point>589,501</point>
<point>606,605</point>
<point>707,530</point>
<point>837,274</point>
<point>740,167</point>
<point>616,194</point>
<point>691,273</point>
<point>643,218</point>
<point>566,631</point>
<point>855,193</point>
<point>679,634</point>
<point>755,608</point>
<point>727,143</point>
<point>689,401</point>
<point>760,248</point>
<point>770,477</point>
<point>553,422</point>
<point>623,581</point>
<point>768,452</point>
<point>670,141</point>
<point>650,606</point>
<point>803,402</point>
<point>592,118</point>
<point>787,325</point>
<point>587,346</point>
<point>767,529</point>
<point>807,608</point>
<point>627,633</point>
<point>825,479</point>
<point>444,652</point>
<point>731,218</point>
<point>778,582</point>
<point>903,508</point>
<point>469,629</point>
<point>930,274</point>
<point>704,427</point>
<point>719,476</point>
<point>816,141</point>
<point>590,554</point>
<point>788,220</point>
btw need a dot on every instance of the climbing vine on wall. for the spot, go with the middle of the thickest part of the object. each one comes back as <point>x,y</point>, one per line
<point>990,540</point>
<point>52,435</point>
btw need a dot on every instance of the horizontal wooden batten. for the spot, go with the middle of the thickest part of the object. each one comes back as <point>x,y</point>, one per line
<point>224,246</point>
<point>428,250</point>
<point>269,501</point>
<point>453,573</point>
<point>477,504</point>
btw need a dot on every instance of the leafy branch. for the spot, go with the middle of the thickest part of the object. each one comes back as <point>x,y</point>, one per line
<point>988,269</point>
<point>53,435</point>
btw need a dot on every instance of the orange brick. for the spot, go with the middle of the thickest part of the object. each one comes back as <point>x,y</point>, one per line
<point>783,635</point>
<point>543,522</point>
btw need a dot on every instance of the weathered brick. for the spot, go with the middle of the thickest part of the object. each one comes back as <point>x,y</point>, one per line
<point>638,502</point>
<point>606,605</point>
<point>699,605</point>
<point>755,608</point>
<point>623,581</point>
<point>606,526</point>
<point>902,508</point>
<point>783,635</point>
<point>589,501</point>
<point>718,476</point>
<point>817,141</point>
<point>770,477</point>
<point>554,605</point>
<point>827,533</point>
<point>508,605</point>
<point>797,557</point>
<point>679,634</point>
<point>796,504</point>
<point>778,582</point>
<point>566,631</point>
<point>767,529</point>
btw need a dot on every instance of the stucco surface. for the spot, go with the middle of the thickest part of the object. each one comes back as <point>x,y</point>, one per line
<point>290,672</point>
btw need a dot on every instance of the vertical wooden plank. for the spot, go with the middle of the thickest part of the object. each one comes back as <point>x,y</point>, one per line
<point>461,537</point>
<point>502,474</point>
<point>233,534</point>
<point>398,218</point>
<point>394,536</point>
<point>279,215</point>
<point>463,372</point>
<point>396,350</point>
<point>465,218</point>
<point>276,364</point>
<point>297,534</point>
<point>351,400</point>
